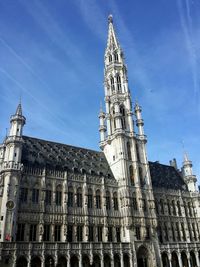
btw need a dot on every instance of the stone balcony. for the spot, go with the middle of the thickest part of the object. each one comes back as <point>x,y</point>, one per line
<point>35,248</point>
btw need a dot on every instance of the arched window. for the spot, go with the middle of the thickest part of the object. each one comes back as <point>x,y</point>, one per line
<point>137,152</point>
<point>131,175</point>
<point>115,201</point>
<point>112,84</point>
<point>129,151</point>
<point>98,199</point>
<point>79,198</point>
<point>174,207</point>
<point>116,57</point>
<point>107,200</point>
<point>90,199</point>
<point>179,208</point>
<point>141,176</point>
<point>58,196</point>
<point>119,86</point>
<point>123,117</point>
<point>70,197</point>
<point>110,58</point>
<point>183,231</point>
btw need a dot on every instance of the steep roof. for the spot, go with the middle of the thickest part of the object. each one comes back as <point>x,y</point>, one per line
<point>42,153</point>
<point>164,176</point>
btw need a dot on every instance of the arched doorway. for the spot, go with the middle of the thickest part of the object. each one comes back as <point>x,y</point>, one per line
<point>174,259</point>
<point>35,262</point>
<point>184,259</point>
<point>126,260</point>
<point>117,260</point>
<point>21,262</point>
<point>74,261</point>
<point>96,261</point>
<point>62,262</point>
<point>165,260</point>
<point>193,259</point>
<point>86,261</point>
<point>49,261</point>
<point>107,262</point>
<point>142,257</point>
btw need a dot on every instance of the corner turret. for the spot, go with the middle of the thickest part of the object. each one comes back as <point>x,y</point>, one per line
<point>187,174</point>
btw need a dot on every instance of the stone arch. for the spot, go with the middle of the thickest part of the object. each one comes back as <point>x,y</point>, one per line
<point>49,261</point>
<point>96,261</point>
<point>106,260</point>
<point>85,261</point>
<point>35,261</point>
<point>143,257</point>
<point>62,262</point>
<point>74,261</point>
<point>126,260</point>
<point>184,259</point>
<point>165,260</point>
<point>193,261</point>
<point>174,259</point>
<point>21,262</point>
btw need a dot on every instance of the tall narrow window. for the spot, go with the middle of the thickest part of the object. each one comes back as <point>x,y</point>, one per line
<point>79,198</point>
<point>144,205</point>
<point>147,232</point>
<point>129,151</point>
<point>79,233</point>
<point>183,231</point>
<point>58,197</point>
<point>174,207</point>
<point>135,205</point>
<point>20,231</point>
<point>70,202</point>
<point>24,195</point>
<point>98,200</point>
<point>69,233</point>
<point>110,58</point>
<point>137,232</point>
<point>185,207</point>
<point>178,231</point>
<point>91,233</point>
<point>57,229</point>
<point>99,233</point>
<point>32,233</point>
<point>35,195</point>
<point>110,238</point>
<point>123,117</point>
<point>179,208</point>
<point>137,152</point>
<point>160,236</point>
<point>166,232</point>
<point>169,206</point>
<point>194,232</point>
<point>131,175</point>
<point>141,177</point>
<point>112,84</point>
<point>119,86</point>
<point>46,234</point>
<point>173,232</point>
<point>90,199</point>
<point>115,201</point>
<point>107,200</point>
<point>118,234</point>
<point>48,197</point>
<point>190,209</point>
<point>116,57</point>
<point>162,209</point>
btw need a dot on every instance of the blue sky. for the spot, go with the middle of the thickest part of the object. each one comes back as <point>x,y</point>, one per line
<point>52,56</point>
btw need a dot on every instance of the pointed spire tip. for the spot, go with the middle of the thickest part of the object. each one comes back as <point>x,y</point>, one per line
<point>110,18</point>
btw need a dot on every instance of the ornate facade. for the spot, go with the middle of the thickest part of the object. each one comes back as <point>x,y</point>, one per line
<point>69,206</point>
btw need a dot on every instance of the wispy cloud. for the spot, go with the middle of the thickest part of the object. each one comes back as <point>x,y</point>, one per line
<point>186,24</point>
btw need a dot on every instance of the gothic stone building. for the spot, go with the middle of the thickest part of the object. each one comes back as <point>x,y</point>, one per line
<point>70,206</point>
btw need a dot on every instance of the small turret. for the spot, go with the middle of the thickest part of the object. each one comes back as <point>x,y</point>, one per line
<point>139,122</point>
<point>187,173</point>
<point>102,127</point>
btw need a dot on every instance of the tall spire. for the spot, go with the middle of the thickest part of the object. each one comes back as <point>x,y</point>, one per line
<point>19,109</point>
<point>112,42</point>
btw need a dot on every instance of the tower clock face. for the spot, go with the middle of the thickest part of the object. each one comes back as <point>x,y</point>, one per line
<point>10,204</point>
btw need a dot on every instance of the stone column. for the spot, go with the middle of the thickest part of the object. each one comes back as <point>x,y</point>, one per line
<point>121,260</point>
<point>131,259</point>
<point>102,263</point>
<point>43,262</point>
<point>80,260</point>
<point>170,259</point>
<point>180,260</point>
<point>197,258</point>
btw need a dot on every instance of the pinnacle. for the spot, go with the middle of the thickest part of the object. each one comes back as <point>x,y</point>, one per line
<point>19,110</point>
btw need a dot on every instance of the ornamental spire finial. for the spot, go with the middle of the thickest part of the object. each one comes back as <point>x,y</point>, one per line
<point>110,18</point>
